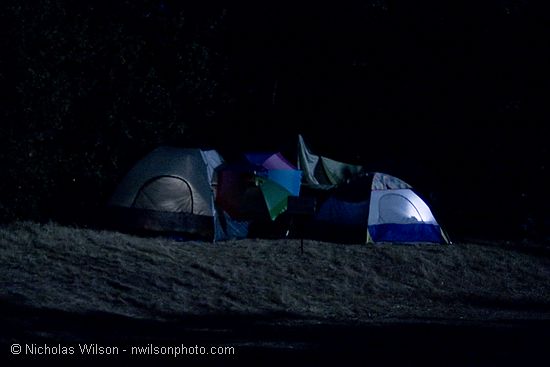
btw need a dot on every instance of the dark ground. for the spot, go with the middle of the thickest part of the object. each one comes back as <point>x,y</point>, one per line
<point>467,304</point>
<point>281,338</point>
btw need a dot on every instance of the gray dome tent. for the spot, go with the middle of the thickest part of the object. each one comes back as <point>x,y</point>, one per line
<point>170,189</point>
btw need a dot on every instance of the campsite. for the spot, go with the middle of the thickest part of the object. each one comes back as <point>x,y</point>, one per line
<point>178,262</point>
<point>193,191</point>
<point>354,183</point>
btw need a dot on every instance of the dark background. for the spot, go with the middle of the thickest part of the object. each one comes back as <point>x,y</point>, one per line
<point>451,97</point>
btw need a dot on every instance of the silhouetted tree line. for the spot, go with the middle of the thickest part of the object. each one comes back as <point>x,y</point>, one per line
<point>87,88</point>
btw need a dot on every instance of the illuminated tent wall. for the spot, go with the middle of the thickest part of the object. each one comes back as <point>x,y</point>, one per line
<point>376,208</point>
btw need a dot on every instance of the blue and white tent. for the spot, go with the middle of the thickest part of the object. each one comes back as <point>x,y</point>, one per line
<point>376,208</point>
<point>358,206</point>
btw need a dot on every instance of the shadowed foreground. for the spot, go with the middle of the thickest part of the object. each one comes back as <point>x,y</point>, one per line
<point>460,305</point>
<point>274,338</point>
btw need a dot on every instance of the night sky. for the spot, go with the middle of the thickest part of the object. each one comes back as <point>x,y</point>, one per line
<point>451,98</point>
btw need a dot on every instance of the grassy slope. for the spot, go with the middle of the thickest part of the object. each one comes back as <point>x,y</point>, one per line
<point>79,270</point>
